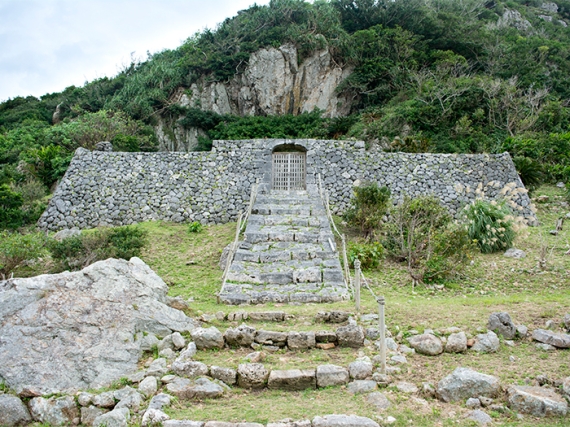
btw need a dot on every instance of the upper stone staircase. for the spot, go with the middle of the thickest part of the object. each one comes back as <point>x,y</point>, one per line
<point>288,253</point>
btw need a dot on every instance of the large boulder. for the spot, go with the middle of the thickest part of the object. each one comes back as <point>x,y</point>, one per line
<point>464,383</point>
<point>55,411</point>
<point>427,344</point>
<point>81,330</point>
<point>208,338</point>
<point>456,343</point>
<point>331,375</point>
<point>552,338</point>
<point>252,375</point>
<point>486,343</point>
<point>13,412</point>
<point>350,336</point>
<point>502,324</point>
<point>536,401</point>
<point>242,336</point>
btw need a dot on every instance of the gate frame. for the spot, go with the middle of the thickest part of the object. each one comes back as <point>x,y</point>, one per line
<point>290,149</point>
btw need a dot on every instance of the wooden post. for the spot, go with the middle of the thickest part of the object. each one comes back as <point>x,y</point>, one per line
<point>382,325</point>
<point>357,284</point>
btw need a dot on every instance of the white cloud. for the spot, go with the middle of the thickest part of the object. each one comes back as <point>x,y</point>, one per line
<point>48,45</point>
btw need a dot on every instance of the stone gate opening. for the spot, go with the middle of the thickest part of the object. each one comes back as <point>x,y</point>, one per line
<point>289,168</point>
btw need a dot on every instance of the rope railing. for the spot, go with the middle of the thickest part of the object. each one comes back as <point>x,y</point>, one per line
<point>325,199</point>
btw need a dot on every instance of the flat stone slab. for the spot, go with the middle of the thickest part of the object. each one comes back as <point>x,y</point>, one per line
<point>292,379</point>
<point>551,338</point>
<point>343,421</point>
<point>464,383</point>
<point>536,401</point>
<point>331,375</point>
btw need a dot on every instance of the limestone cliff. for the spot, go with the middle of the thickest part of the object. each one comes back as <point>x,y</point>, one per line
<point>273,83</point>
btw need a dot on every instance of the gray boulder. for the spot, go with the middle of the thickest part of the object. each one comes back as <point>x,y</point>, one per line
<point>154,417</point>
<point>128,398</point>
<point>502,324</point>
<point>148,387</point>
<point>57,412</point>
<point>331,375</point>
<point>66,234</point>
<point>378,400</point>
<point>350,336</point>
<point>208,338</point>
<point>332,316</point>
<point>202,388</point>
<point>242,336</point>
<point>90,413</point>
<point>464,383</point>
<point>226,375</point>
<point>189,368</point>
<point>157,368</point>
<point>456,343</point>
<point>252,375</point>
<point>182,423</point>
<point>480,417</point>
<point>301,340</point>
<point>67,306</point>
<point>486,343</point>
<point>406,387</point>
<point>178,341</point>
<point>278,339</point>
<point>515,253</point>
<point>104,400</point>
<point>536,401</point>
<point>360,369</point>
<point>551,338</point>
<point>13,412</point>
<point>427,344</point>
<point>293,379</point>
<point>362,386</point>
<point>116,418</point>
<point>343,421</point>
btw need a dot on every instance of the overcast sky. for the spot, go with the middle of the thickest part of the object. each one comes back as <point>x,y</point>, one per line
<point>48,45</point>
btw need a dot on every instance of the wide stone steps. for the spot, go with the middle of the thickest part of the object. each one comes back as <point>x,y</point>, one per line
<point>288,254</point>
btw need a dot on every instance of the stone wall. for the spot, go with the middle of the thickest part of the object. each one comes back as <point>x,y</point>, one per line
<point>112,188</point>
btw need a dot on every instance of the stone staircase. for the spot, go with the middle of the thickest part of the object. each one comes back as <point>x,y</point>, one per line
<point>288,253</point>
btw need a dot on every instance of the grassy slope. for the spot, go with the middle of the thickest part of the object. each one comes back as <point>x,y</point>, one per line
<point>189,263</point>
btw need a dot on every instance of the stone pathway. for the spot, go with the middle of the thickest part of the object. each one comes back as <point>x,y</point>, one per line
<point>288,254</point>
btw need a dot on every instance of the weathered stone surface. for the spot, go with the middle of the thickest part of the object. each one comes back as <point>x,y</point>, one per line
<point>116,418</point>
<point>252,375</point>
<point>293,379</point>
<point>148,387</point>
<point>456,343</point>
<point>473,403</point>
<point>464,383</point>
<point>159,401</point>
<point>13,412</point>
<point>157,368</point>
<point>486,343</point>
<point>226,375</point>
<point>208,338</point>
<point>242,336</point>
<point>514,253</point>
<point>289,423</point>
<point>331,375</point>
<point>201,388</point>
<point>406,387</point>
<point>128,398</point>
<point>362,386</point>
<point>552,338</point>
<point>332,316</point>
<point>66,234</point>
<point>480,417</point>
<point>57,412</point>
<point>427,344</point>
<point>178,341</point>
<point>84,398</point>
<point>182,423</point>
<point>378,400</point>
<point>189,368</point>
<point>360,369</point>
<point>267,316</point>
<point>566,387</point>
<point>68,321</point>
<point>536,401</point>
<point>325,337</point>
<point>343,421</point>
<point>566,322</point>
<point>271,338</point>
<point>301,340</point>
<point>154,417</point>
<point>90,413</point>
<point>104,400</point>
<point>502,324</point>
<point>350,336</point>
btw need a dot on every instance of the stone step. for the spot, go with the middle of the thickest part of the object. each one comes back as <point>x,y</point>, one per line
<point>236,294</point>
<point>302,209</point>
<point>299,235</point>
<point>293,220</point>
<point>275,255</point>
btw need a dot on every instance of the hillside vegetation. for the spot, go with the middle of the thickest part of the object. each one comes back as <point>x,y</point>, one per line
<point>466,76</point>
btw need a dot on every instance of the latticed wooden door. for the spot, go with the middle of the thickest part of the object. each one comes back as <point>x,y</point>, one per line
<point>289,171</point>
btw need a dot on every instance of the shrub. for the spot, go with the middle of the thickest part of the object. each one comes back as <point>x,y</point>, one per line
<point>530,171</point>
<point>369,205</point>
<point>369,254</point>
<point>490,224</point>
<point>15,248</point>
<point>422,234</point>
<point>78,252</point>
<point>195,227</point>
<point>10,208</point>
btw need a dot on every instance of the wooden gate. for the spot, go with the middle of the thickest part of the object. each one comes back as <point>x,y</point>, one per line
<point>289,171</point>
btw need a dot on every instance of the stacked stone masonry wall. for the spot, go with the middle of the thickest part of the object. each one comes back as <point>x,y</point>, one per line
<point>116,188</point>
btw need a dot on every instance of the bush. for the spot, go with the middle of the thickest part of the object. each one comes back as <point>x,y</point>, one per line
<point>369,254</point>
<point>490,224</point>
<point>78,252</point>
<point>195,227</point>
<point>530,171</point>
<point>423,235</point>
<point>15,248</point>
<point>369,205</point>
<point>10,208</point>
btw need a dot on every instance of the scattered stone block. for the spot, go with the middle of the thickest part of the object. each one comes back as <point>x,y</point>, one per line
<point>350,336</point>
<point>269,316</point>
<point>242,336</point>
<point>502,324</point>
<point>360,369</point>
<point>332,316</point>
<point>515,253</point>
<point>189,368</point>
<point>90,413</point>
<point>378,400</point>
<point>208,338</point>
<point>293,379</point>
<point>343,421</point>
<point>104,400</point>
<point>480,417</point>
<point>456,343</point>
<point>464,383</point>
<point>362,386</point>
<point>13,412</point>
<point>182,423</point>
<point>148,387</point>
<point>278,339</point>
<point>116,418</point>
<point>252,375</point>
<point>552,338</point>
<point>301,340</point>
<point>473,403</point>
<point>406,387</point>
<point>536,401</point>
<point>427,344</point>
<point>226,375</point>
<point>331,375</point>
<point>486,343</point>
<point>325,337</point>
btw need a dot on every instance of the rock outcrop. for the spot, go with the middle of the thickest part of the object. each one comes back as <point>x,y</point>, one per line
<point>81,330</point>
<point>273,83</point>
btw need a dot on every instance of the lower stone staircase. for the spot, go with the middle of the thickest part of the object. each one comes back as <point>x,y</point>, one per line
<point>288,253</point>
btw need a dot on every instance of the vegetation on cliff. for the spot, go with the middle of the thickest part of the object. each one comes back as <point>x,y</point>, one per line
<point>429,75</point>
